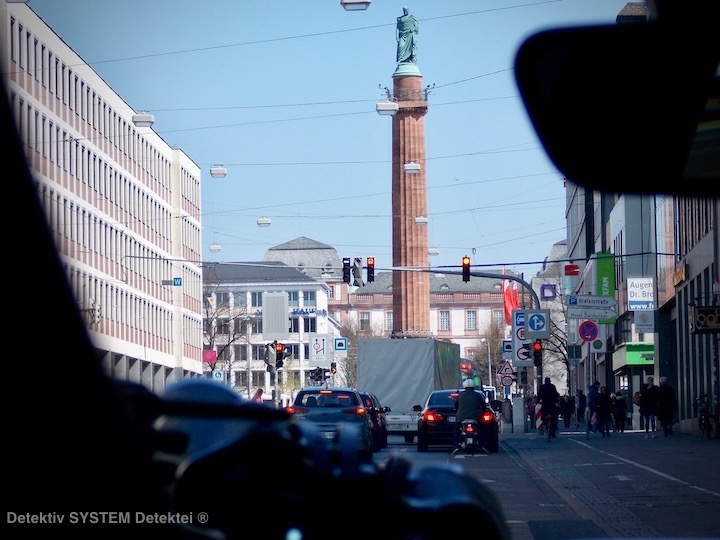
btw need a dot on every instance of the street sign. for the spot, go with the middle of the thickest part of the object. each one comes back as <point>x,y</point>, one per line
<point>340,346</point>
<point>319,350</point>
<point>506,380</point>
<point>506,368</point>
<point>537,324</point>
<point>507,348</point>
<point>588,331</point>
<point>591,313</point>
<point>520,356</point>
<point>591,301</point>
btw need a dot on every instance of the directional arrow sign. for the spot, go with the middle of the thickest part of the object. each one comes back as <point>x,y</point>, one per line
<point>590,313</point>
<point>537,324</point>
<point>591,301</point>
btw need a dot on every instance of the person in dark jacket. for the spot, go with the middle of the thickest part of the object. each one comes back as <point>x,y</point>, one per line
<point>469,405</point>
<point>580,406</point>
<point>592,398</point>
<point>667,405</point>
<point>619,411</point>
<point>649,405</point>
<point>567,407</point>
<point>603,410</point>
<point>549,397</point>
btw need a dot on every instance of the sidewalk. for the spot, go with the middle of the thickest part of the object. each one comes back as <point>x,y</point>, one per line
<point>622,485</point>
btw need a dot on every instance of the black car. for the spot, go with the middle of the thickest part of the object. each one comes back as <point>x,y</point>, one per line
<point>377,412</point>
<point>436,425</point>
<point>328,407</point>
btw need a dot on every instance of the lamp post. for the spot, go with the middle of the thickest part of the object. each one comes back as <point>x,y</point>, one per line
<point>487,342</point>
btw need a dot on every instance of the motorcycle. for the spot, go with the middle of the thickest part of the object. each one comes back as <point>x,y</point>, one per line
<point>470,436</point>
<point>703,416</point>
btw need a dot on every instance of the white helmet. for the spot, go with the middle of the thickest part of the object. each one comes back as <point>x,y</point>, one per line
<point>468,383</point>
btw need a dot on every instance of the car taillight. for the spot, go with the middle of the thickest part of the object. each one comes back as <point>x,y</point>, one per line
<point>433,417</point>
<point>362,411</point>
<point>292,409</point>
<point>488,416</point>
<point>469,428</point>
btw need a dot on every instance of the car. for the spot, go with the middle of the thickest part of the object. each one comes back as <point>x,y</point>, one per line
<point>330,406</point>
<point>436,425</point>
<point>377,414</point>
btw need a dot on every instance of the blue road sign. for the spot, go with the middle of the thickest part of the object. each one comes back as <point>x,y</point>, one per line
<point>538,324</point>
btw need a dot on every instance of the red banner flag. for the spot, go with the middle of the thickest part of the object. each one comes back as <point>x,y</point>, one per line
<point>511,299</point>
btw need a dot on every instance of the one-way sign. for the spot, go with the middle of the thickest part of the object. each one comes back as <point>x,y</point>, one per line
<point>537,324</point>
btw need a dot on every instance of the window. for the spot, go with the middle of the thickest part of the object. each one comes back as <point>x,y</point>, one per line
<point>444,323</point>
<point>223,299</point>
<point>471,320</point>
<point>223,326</point>
<point>331,292</point>
<point>294,324</point>
<point>239,299</point>
<point>309,299</point>
<point>389,321</point>
<point>364,320</point>
<point>293,299</point>
<point>256,299</point>
<point>310,324</point>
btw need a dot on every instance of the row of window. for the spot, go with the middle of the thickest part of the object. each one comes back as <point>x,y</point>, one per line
<point>238,298</point>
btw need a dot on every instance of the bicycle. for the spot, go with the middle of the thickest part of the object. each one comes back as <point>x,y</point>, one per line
<point>550,427</point>
<point>704,416</point>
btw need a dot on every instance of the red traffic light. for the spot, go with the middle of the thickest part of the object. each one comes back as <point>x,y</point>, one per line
<point>537,346</point>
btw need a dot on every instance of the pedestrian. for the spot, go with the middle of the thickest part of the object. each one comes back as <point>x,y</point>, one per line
<point>592,398</point>
<point>257,398</point>
<point>567,406</point>
<point>603,410</point>
<point>531,411</point>
<point>649,400</point>
<point>580,406</point>
<point>667,405</point>
<point>619,412</point>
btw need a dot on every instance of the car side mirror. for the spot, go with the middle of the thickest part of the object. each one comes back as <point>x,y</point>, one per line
<point>417,408</point>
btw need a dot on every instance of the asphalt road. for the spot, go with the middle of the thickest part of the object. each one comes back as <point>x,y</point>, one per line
<point>611,487</point>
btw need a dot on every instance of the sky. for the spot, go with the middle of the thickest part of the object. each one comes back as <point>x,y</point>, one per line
<point>283,92</point>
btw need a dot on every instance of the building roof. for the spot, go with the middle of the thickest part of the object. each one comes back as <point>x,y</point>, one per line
<point>308,256</point>
<point>253,272</point>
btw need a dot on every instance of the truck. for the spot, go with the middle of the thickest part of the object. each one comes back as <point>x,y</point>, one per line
<point>403,372</point>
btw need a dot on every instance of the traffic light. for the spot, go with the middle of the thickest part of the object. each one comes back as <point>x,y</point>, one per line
<point>279,354</point>
<point>537,350</point>
<point>371,269</point>
<point>466,268</point>
<point>270,357</point>
<point>346,269</point>
<point>333,367</point>
<point>357,272</point>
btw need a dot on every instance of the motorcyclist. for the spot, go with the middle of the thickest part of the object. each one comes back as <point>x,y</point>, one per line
<point>548,397</point>
<point>469,405</point>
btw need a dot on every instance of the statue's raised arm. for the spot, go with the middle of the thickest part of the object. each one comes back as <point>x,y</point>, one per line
<point>406,36</point>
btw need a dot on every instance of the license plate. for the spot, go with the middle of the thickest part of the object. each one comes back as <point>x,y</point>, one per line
<point>469,440</point>
<point>328,434</point>
<point>451,418</point>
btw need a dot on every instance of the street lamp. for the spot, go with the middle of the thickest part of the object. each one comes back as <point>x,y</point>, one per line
<point>143,119</point>
<point>487,342</point>
<point>355,5</point>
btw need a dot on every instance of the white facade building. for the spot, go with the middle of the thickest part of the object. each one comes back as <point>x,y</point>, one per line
<point>122,205</point>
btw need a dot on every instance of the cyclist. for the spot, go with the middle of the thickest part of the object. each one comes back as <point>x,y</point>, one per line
<point>548,397</point>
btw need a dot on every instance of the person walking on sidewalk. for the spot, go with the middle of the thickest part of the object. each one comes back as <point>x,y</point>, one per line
<point>592,399</point>
<point>603,410</point>
<point>667,405</point>
<point>649,400</point>
<point>567,407</point>
<point>580,406</point>
<point>619,412</point>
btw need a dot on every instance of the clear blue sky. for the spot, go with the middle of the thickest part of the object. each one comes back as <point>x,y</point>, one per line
<point>283,94</point>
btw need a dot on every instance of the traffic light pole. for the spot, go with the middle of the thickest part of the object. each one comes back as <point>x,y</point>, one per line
<point>523,283</point>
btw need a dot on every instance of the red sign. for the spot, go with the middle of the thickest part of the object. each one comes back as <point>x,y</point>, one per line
<point>209,357</point>
<point>588,331</point>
